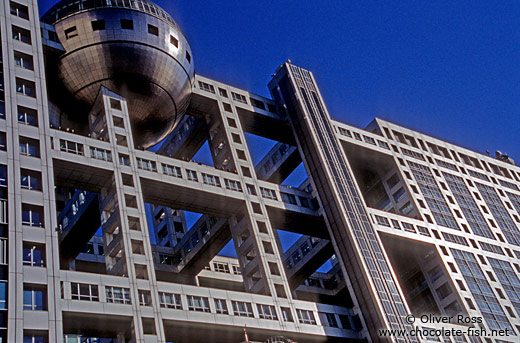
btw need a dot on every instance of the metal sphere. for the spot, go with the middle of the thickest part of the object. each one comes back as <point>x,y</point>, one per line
<point>135,49</point>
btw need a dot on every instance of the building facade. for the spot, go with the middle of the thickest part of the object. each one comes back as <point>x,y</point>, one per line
<point>422,236</point>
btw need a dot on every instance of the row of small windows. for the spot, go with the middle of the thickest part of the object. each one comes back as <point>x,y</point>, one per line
<point>383,221</point>
<point>191,175</point>
<point>237,97</point>
<point>36,300</point>
<point>452,155</point>
<point>367,139</point>
<point>126,24</point>
<point>140,5</point>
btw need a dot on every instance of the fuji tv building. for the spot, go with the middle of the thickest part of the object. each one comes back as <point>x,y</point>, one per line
<point>101,114</point>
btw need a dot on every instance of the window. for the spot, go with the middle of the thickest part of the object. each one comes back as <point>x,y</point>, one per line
<point>268,193</point>
<point>170,300</point>
<point>53,36</point>
<point>2,106</point>
<point>221,267</point>
<point>211,180</point>
<point>172,171</point>
<point>118,295</point>
<point>227,107</point>
<point>100,154</point>
<point>83,291</point>
<point>382,221</point>
<point>479,287</point>
<point>221,306</point>
<point>297,257</point>
<point>435,273</point>
<point>251,190</point>
<point>32,215</point>
<point>433,195</point>
<point>115,104</point>
<point>266,312</point>
<point>199,304</point>
<point>174,41</point>
<point>188,57</point>
<point>305,317</point>
<point>33,255</point>
<point>144,298</point>
<point>233,185</point>
<point>286,314</point>
<point>454,238</point>
<point>21,35</point>
<point>288,198</point>
<point>166,259</point>
<point>383,145</point>
<point>19,10</point>
<point>23,60</point>
<point>127,24</point>
<point>236,270</point>
<point>468,206</point>
<point>3,251</point>
<point>423,231</point>
<point>242,309</point>
<point>31,179</point>
<point>491,248</point>
<point>98,25</point>
<point>206,87</point>
<point>34,298</point>
<point>153,30</point>
<point>72,147</point>
<point>232,122</point>
<point>509,280</point>
<point>146,164</point>
<point>192,175</point>
<point>3,141</point>
<point>239,97</point>
<point>443,291</point>
<point>408,227</point>
<point>34,337</point>
<point>88,249</point>
<point>257,103</point>
<point>500,213</point>
<point>328,319</point>
<point>124,160</point>
<point>345,322</point>
<point>3,175</point>
<point>3,295</point>
<point>222,92</point>
<point>413,154</point>
<point>25,87</point>
<point>305,248</point>
<point>27,116</point>
<point>71,32</point>
<point>118,121</point>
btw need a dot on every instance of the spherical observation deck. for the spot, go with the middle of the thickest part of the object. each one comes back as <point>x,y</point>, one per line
<point>135,49</point>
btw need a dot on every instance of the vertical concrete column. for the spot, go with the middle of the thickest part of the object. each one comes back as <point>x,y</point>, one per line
<point>253,236</point>
<point>20,134</point>
<point>127,245</point>
<point>360,249</point>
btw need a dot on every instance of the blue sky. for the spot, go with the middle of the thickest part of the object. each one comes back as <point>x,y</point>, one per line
<point>449,69</point>
<point>446,68</point>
